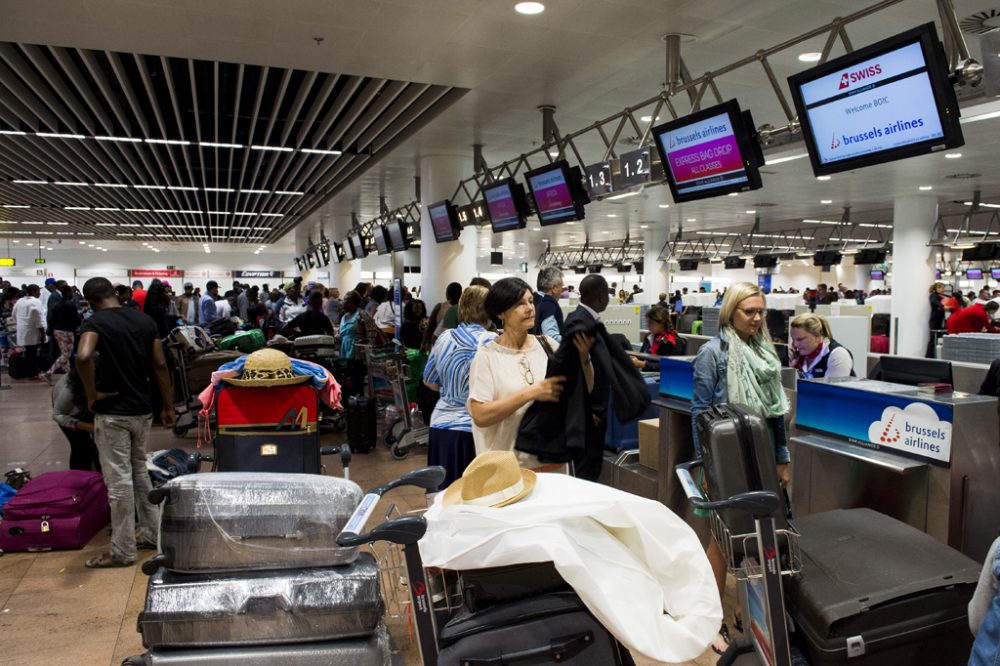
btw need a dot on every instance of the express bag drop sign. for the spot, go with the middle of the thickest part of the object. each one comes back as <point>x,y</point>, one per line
<point>704,155</point>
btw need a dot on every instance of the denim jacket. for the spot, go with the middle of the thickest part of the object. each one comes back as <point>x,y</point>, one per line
<point>984,609</point>
<point>710,367</point>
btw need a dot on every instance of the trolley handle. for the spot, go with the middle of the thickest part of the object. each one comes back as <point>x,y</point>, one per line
<point>758,503</point>
<point>428,478</point>
<point>404,530</point>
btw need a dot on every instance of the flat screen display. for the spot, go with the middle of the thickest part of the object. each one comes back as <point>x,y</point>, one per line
<point>444,220</point>
<point>876,275</point>
<point>557,197</point>
<point>885,102</point>
<point>708,153</point>
<point>397,236</point>
<point>974,274</point>
<point>336,253</point>
<point>995,273</point>
<point>348,250</point>
<point>381,242</point>
<point>505,205</point>
<point>358,245</point>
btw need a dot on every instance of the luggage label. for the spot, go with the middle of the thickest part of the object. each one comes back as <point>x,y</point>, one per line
<point>268,449</point>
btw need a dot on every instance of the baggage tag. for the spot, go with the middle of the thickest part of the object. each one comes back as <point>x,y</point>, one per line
<point>45,526</point>
<point>268,449</point>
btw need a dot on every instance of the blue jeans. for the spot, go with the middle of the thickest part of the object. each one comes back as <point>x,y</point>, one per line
<point>986,649</point>
<point>121,445</point>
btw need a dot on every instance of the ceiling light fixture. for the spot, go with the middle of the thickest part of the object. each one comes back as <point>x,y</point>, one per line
<point>622,196</point>
<point>182,188</point>
<point>13,133</point>
<point>70,183</point>
<point>150,187</point>
<point>119,139</point>
<point>219,189</point>
<point>751,212</point>
<point>76,207</point>
<point>952,156</point>
<point>925,188</point>
<point>320,151</point>
<point>169,142</point>
<point>116,185</point>
<point>823,177</point>
<point>810,56</point>
<point>59,135</point>
<point>255,191</point>
<point>289,193</point>
<point>529,8</point>
<point>779,160</point>
<point>30,182</point>
<point>826,201</point>
<point>108,209</point>
<point>213,144</point>
<point>612,215</point>
<point>692,219</point>
<point>276,149</point>
<point>137,210</point>
<point>647,119</point>
<point>16,206</point>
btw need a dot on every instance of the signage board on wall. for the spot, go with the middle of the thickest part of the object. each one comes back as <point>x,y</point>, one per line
<point>7,261</point>
<point>209,275</point>
<point>101,272</point>
<point>24,272</point>
<point>258,275</point>
<point>155,273</point>
<point>320,276</point>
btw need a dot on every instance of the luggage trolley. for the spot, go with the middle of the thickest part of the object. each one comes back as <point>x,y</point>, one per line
<point>387,386</point>
<point>322,350</point>
<point>758,560</point>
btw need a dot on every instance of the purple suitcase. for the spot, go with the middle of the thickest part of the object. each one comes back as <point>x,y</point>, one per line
<point>55,511</point>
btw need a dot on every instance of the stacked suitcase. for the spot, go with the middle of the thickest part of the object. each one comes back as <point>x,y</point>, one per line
<point>870,589</point>
<point>249,573</point>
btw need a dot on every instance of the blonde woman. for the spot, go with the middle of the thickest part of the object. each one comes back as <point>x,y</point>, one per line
<point>814,352</point>
<point>741,366</point>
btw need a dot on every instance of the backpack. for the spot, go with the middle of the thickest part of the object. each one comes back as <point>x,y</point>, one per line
<point>168,464</point>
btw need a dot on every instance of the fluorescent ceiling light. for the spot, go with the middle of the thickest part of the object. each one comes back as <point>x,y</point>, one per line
<point>116,185</point>
<point>810,56</point>
<point>213,144</point>
<point>952,156</point>
<point>76,207</point>
<point>137,210</point>
<point>962,246</point>
<point>182,188</point>
<point>31,182</point>
<point>59,135</point>
<point>277,149</point>
<point>128,224</point>
<point>664,205</point>
<point>150,187</point>
<point>255,191</point>
<point>823,177</point>
<point>848,252</point>
<point>13,132</point>
<point>612,215</point>
<point>771,161</point>
<point>70,183</point>
<point>529,8</point>
<point>289,193</point>
<point>105,224</point>
<point>826,201</point>
<point>33,223</point>
<point>108,209</point>
<point>692,219</point>
<point>271,215</point>
<point>820,222</point>
<point>751,212</point>
<point>169,142</point>
<point>320,151</point>
<point>622,196</point>
<point>119,139</point>
<point>125,233</point>
<point>219,189</point>
<point>647,119</point>
<point>984,205</point>
<point>165,210</point>
<point>925,188</point>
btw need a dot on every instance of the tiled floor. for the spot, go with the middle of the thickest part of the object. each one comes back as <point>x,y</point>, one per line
<point>54,610</point>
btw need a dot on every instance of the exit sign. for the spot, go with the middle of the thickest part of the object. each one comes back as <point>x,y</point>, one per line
<point>7,261</point>
<point>39,261</point>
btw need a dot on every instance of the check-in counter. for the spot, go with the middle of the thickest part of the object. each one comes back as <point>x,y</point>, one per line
<point>931,461</point>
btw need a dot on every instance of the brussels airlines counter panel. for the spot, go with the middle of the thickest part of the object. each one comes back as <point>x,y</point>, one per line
<point>930,460</point>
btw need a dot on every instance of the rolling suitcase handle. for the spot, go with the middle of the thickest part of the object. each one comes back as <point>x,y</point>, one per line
<point>560,649</point>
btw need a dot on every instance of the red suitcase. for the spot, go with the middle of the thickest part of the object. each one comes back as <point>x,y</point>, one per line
<point>55,511</point>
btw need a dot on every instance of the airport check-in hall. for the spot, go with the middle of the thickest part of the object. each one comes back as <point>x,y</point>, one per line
<point>433,332</point>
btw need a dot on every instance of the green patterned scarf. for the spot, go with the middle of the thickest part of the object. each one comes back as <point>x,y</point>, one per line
<point>753,376</point>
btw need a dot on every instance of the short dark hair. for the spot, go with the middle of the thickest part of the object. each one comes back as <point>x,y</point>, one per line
<point>379,294</point>
<point>453,292</point>
<point>212,284</point>
<point>660,315</point>
<point>66,291</point>
<point>32,289</point>
<point>591,287</point>
<point>991,306</point>
<point>480,282</point>
<point>352,297</point>
<point>98,289</point>
<point>137,282</point>
<point>504,295</point>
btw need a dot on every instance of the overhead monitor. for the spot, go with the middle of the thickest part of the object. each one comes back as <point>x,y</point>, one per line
<point>982,252</point>
<point>358,245</point>
<point>381,239</point>
<point>444,220</point>
<point>876,275</point>
<point>734,262</point>
<point>709,153</point>
<point>558,192</point>
<point>398,242</point>
<point>827,258</point>
<point>688,264</point>
<point>869,256</point>
<point>336,253</point>
<point>496,258</point>
<point>974,274</point>
<point>506,205</point>
<point>885,102</point>
<point>995,273</point>
<point>348,249</point>
<point>765,261</point>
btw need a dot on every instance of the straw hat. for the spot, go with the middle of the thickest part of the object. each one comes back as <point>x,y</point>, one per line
<point>492,479</point>
<point>267,367</point>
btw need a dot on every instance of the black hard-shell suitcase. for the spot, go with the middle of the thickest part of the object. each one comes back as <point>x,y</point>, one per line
<point>261,607</point>
<point>232,521</point>
<point>547,629</point>
<point>20,367</point>
<point>371,650</point>
<point>292,451</point>
<point>874,590</point>
<point>738,457</point>
<point>361,424</point>
<point>498,585</point>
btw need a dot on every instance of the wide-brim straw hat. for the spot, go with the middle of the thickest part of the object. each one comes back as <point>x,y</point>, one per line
<point>492,479</point>
<point>267,367</point>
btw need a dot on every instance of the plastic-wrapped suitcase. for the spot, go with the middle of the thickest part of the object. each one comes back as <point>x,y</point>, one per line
<point>316,345</point>
<point>371,650</point>
<point>874,590</point>
<point>230,521</point>
<point>361,423</point>
<point>60,510</point>
<point>739,457</point>
<point>262,607</point>
<point>547,629</point>
<point>201,367</point>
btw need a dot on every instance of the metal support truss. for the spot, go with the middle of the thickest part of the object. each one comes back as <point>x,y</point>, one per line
<point>605,253</point>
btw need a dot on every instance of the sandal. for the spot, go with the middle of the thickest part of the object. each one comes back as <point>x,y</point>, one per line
<point>724,635</point>
<point>107,561</point>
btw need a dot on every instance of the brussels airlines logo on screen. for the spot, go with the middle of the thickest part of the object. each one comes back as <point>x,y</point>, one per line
<point>848,79</point>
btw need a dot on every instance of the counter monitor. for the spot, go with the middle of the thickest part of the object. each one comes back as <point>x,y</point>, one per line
<point>558,192</point>
<point>381,239</point>
<point>974,274</point>
<point>336,253</point>
<point>358,246</point>
<point>995,273</point>
<point>709,153</point>
<point>444,221</point>
<point>876,275</point>
<point>885,102</point>
<point>348,249</point>
<point>396,229</point>
<point>506,205</point>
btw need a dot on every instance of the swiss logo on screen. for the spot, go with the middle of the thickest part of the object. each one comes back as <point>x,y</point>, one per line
<point>849,78</point>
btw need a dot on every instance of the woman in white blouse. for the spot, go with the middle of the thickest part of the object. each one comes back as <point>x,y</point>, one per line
<point>508,374</point>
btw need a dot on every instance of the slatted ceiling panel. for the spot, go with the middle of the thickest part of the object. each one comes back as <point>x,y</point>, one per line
<point>153,98</point>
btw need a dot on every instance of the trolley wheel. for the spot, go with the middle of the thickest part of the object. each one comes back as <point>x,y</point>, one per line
<point>394,432</point>
<point>398,451</point>
<point>182,430</point>
<point>339,422</point>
